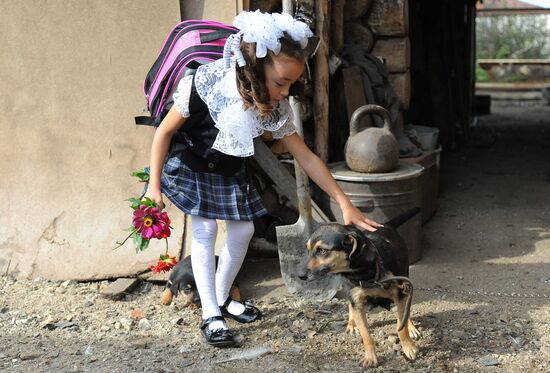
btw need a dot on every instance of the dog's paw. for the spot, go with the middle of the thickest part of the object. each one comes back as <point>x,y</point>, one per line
<point>167,297</point>
<point>409,349</point>
<point>369,360</point>
<point>413,332</point>
<point>351,328</point>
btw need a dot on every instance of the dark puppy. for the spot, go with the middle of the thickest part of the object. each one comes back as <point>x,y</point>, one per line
<point>376,266</point>
<point>182,281</point>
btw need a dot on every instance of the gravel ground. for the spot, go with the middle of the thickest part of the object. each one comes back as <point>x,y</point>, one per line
<point>491,233</point>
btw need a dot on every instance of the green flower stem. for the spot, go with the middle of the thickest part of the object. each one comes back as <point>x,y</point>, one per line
<point>119,244</point>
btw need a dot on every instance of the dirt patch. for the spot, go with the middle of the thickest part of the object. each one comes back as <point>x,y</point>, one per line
<point>481,300</point>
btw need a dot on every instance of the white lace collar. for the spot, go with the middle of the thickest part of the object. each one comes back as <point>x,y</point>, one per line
<point>217,87</point>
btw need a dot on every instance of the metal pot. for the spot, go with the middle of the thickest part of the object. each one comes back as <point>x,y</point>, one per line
<point>371,150</point>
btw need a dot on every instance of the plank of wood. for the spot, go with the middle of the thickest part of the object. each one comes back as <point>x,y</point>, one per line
<point>337,25</point>
<point>389,18</point>
<point>354,91</point>
<point>283,180</point>
<point>401,83</point>
<point>396,53</point>
<point>321,79</point>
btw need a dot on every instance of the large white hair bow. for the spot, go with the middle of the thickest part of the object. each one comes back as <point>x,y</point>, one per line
<point>265,30</point>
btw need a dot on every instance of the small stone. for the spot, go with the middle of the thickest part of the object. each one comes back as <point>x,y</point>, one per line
<point>393,339</point>
<point>186,363</point>
<point>140,344</point>
<point>545,351</point>
<point>29,355</point>
<point>144,324</point>
<point>66,283</point>
<point>178,321</point>
<point>126,324</point>
<point>137,314</point>
<point>488,361</point>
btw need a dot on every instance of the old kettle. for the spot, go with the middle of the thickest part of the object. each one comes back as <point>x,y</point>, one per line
<point>373,149</point>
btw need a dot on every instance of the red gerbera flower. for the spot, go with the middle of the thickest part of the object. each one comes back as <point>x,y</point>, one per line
<point>165,263</point>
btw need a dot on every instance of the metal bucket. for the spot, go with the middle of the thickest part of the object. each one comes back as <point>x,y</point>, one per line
<point>384,196</point>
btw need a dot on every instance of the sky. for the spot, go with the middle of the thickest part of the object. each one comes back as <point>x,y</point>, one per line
<point>543,3</point>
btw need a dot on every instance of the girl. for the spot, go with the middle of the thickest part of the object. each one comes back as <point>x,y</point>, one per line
<point>199,149</point>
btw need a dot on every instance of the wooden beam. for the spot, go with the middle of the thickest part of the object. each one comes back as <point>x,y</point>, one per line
<point>396,53</point>
<point>337,25</point>
<point>389,18</point>
<point>283,180</point>
<point>401,83</point>
<point>321,79</point>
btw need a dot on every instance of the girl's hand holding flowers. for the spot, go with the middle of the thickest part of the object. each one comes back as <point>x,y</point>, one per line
<point>148,222</point>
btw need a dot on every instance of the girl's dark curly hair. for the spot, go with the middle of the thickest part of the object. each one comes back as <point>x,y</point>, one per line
<point>251,77</point>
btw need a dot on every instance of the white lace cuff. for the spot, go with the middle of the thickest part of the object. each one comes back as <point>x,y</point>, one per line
<point>182,94</point>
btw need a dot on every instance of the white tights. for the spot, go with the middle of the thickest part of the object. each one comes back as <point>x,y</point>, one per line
<point>214,285</point>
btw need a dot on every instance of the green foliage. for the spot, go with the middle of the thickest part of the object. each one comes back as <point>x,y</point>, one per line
<point>136,202</point>
<point>141,174</point>
<point>513,36</point>
<point>481,74</point>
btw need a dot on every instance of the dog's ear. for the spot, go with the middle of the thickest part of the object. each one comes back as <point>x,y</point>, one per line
<point>351,240</point>
<point>360,244</point>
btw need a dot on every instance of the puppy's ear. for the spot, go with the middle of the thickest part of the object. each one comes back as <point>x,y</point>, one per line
<point>308,245</point>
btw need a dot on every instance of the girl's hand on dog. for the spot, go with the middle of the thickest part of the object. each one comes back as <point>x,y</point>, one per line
<point>352,215</point>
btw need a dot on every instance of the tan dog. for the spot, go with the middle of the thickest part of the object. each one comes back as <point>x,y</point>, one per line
<point>376,267</point>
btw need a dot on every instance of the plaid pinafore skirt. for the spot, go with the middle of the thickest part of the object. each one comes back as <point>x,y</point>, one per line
<point>210,195</point>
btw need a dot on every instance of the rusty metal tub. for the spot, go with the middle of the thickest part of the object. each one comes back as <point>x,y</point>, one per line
<point>384,196</point>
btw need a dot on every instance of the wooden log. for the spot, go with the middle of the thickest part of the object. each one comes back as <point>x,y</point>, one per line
<point>321,79</point>
<point>401,83</point>
<point>354,92</point>
<point>389,18</point>
<point>356,9</point>
<point>337,25</point>
<point>396,53</point>
<point>358,34</point>
<point>283,181</point>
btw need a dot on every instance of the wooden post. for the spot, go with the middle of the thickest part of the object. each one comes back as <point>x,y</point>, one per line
<point>337,25</point>
<point>321,78</point>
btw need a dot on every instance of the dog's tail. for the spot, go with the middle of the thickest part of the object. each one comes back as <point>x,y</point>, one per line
<point>403,218</point>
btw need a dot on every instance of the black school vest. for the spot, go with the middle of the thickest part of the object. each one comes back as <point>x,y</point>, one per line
<point>193,142</point>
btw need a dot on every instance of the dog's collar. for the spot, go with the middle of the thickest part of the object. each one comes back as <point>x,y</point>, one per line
<point>372,282</point>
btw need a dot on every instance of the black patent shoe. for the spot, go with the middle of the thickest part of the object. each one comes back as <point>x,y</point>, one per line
<point>250,313</point>
<point>217,337</point>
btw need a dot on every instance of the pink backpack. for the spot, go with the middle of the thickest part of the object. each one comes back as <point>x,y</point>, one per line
<point>190,44</point>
